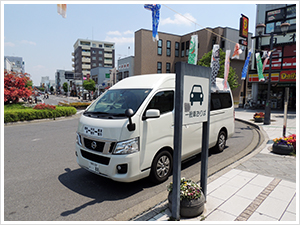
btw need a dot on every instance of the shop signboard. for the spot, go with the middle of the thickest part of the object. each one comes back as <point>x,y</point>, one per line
<point>254,77</point>
<point>244,22</point>
<point>287,76</point>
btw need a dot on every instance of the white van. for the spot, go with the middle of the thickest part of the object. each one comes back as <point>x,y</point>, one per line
<point>127,133</point>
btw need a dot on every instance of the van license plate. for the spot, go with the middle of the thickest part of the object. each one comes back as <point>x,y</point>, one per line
<point>94,167</point>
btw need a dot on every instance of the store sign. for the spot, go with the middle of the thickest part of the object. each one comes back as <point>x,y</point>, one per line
<point>123,66</point>
<point>288,76</point>
<point>254,77</point>
<point>244,22</point>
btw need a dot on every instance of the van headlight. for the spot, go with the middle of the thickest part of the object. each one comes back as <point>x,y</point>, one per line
<point>127,147</point>
<point>78,139</point>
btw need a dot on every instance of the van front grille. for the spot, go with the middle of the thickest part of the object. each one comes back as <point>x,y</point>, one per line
<point>95,158</point>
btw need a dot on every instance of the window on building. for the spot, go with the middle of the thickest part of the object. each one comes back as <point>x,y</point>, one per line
<point>93,58</point>
<point>168,48</point>
<point>100,58</point>
<point>93,45</point>
<point>168,67</point>
<point>100,45</point>
<point>100,52</point>
<point>159,47</point>
<point>176,49</point>
<point>100,65</point>
<point>159,67</point>
<point>94,65</point>
<point>126,74</point>
<point>182,49</point>
<point>187,48</point>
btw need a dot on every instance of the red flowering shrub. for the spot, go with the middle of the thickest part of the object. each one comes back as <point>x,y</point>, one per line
<point>44,106</point>
<point>16,86</point>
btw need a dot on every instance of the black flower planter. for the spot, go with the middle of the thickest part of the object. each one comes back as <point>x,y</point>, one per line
<point>258,119</point>
<point>189,208</point>
<point>282,149</point>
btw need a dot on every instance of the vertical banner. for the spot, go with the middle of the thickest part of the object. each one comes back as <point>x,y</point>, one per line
<point>193,51</point>
<point>245,68</point>
<point>155,18</point>
<point>214,64</point>
<point>266,60</point>
<point>259,66</point>
<point>62,10</point>
<point>226,68</point>
<point>237,51</point>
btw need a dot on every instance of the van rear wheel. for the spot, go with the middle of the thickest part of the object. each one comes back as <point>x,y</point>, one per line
<point>221,141</point>
<point>161,167</point>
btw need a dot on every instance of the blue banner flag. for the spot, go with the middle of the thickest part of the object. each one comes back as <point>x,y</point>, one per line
<point>155,18</point>
<point>245,68</point>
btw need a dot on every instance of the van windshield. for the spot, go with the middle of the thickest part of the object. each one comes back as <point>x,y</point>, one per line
<point>115,102</point>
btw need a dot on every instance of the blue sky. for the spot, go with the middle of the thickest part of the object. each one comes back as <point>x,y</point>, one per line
<point>45,39</point>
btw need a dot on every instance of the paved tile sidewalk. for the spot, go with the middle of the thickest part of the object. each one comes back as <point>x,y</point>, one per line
<point>260,188</point>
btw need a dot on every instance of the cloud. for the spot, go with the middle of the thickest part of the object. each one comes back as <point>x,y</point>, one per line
<point>9,44</point>
<point>114,33</point>
<point>128,32</point>
<point>187,20</point>
<point>120,40</point>
<point>28,42</point>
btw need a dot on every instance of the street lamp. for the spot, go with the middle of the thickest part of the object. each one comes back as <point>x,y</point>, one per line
<point>260,29</point>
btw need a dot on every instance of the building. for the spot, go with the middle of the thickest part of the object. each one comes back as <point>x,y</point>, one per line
<point>89,54</point>
<point>15,64</point>
<point>74,82</point>
<point>283,69</point>
<point>125,67</point>
<point>101,76</point>
<point>161,56</point>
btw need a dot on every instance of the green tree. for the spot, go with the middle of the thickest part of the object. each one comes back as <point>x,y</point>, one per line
<point>232,76</point>
<point>65,87</point>
<point>89,85</point>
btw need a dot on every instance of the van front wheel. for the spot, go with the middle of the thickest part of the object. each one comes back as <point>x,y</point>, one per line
<point>161,167</point>
<point>221,142</point>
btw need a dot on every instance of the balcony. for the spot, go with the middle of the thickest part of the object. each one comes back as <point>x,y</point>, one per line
<point>108,55</point>
<point>73,54</point>
<point>86,53</point>
<point>73,59</point>
<point>107,61</point>
<point>86,60</point>
<point>73,65</point>
<point>86,66</point>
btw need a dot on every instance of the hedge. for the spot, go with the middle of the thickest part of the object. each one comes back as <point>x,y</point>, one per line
<point>31,114</point>
<point>81,105</point>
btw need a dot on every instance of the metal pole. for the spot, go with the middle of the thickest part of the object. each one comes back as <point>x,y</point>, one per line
<point>177,141</point>
<point>268,102</point>
<point>205,146</point>
<point>286,101</point>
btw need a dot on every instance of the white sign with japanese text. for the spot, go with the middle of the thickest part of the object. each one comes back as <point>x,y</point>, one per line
<point>195,99</point>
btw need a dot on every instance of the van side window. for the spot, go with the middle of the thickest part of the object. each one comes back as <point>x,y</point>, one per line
<point>163,101</point>
<point>220,101</point>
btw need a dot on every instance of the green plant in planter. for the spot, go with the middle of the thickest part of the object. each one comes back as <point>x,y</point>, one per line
<point>192,199</point>
<point>284,145</point>
<point>188,189</point>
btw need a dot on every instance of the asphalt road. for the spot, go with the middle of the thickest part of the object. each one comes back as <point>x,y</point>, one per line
<point>42,181</point>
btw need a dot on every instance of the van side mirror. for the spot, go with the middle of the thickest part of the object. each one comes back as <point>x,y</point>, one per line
<point>151,113</point>
<point>129,113</point>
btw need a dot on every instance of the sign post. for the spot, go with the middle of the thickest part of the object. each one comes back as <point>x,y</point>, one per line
<point>192,106</point>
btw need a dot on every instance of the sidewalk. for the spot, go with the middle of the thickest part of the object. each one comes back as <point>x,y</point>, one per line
<point>259,187</point>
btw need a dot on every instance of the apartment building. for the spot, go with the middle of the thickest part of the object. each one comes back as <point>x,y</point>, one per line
<point>13,63</point>
<point>90,54</point>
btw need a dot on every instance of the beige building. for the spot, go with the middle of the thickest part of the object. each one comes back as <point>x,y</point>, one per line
<point>161,56</point>
<point>89,54</point>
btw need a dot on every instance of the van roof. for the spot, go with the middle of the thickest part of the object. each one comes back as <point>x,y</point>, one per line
<point>149,81</point>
